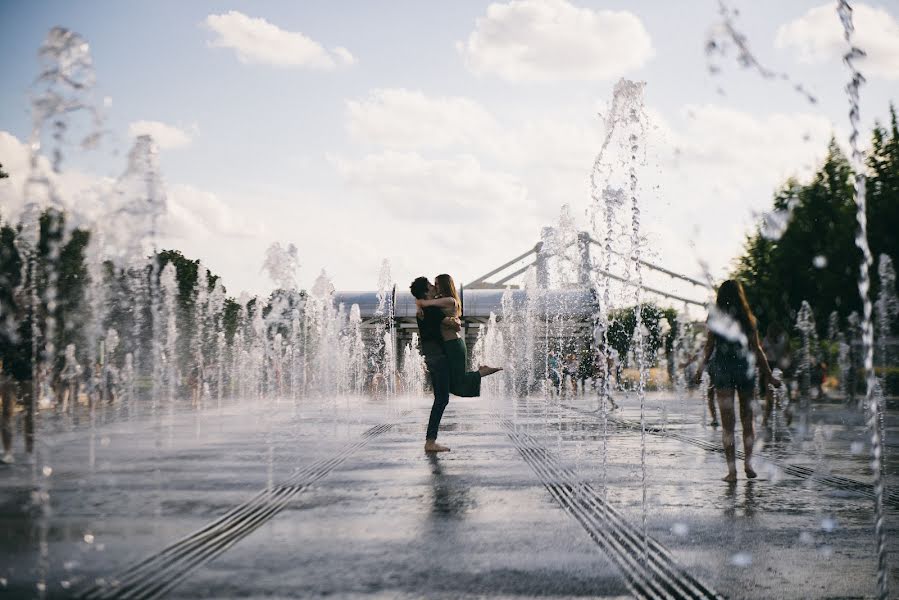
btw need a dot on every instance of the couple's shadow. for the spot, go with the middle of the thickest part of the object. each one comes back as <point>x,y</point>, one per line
<point>451,494</point>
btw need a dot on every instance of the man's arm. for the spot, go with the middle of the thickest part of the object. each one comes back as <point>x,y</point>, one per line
<point>707,354</point>
<point>446,302</point>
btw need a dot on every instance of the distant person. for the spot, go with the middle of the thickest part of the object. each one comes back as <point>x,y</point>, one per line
<point>463,383</point>
<point>776,345</point>
<point>585,371</point>
<point>569,369</point>
<point>430,340</point>
<point>378,385</point>
<point>693,374</point>
<point>732,352</point>
<point>603,368</point>
<point>553,371</point>
<point>8,400</point>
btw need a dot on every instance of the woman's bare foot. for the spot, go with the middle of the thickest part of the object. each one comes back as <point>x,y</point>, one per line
<point>484,370</point>
<point>750,473</point>
<point>433,446</point>
<point>730,477</point>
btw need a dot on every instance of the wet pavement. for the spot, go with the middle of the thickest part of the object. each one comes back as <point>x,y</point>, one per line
<point>334,497</point>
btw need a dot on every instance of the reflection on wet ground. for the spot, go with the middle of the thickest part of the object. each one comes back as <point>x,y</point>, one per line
<point>451,493</point>
<point>363,512</point>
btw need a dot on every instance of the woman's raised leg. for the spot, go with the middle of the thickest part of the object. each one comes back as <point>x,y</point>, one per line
<point>465,384</point>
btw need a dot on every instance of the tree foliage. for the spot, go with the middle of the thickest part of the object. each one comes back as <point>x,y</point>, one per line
<point>57,271</point>
<point>622,323</point>
<point>50,284</point>
<point>815,258</point>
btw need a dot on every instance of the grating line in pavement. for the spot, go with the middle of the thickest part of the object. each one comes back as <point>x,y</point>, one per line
<point>649,569</point>
<point>157,574</point>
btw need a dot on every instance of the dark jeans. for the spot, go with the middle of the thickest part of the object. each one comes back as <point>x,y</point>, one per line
<point>438,367</point>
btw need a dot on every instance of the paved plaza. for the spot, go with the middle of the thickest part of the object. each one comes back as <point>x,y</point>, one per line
<point>334,497</point>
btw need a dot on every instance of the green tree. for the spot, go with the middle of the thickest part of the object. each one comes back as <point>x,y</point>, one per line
<point>15,329</point>
<point>883,190</point>
<point>623,321</point>
<point>59,277</point>
<point>816,258</point>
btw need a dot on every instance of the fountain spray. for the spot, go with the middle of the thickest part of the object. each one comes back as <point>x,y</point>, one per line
<point>872,404</point>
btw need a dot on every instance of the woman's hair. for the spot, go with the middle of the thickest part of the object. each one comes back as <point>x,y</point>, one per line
<point>732,301</point>
<point>446,287</point>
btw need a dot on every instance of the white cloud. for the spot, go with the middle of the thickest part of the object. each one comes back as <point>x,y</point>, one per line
<point>192,214</point>
<point>735,152</point>
<point>14,156</point>
<point>710,168</point>
<point>817,37</point>
<point>166,136</point>
<point>255,40</point>
<point>410,186</point>
<point>77,192</point>
<point>552,40</point>
<point>409,120</point>
<point>719,168</point>
<point>344,57</point>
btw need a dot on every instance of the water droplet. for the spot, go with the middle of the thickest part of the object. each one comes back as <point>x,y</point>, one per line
<point>69,565</point>
<point>41,586</point>
<point>819,261</point>
<point>828,524</point>
<point>3,581</point>
<point>47,471</point>
<point>65,584</point>
<point>89,538</point>
<point>806,538</point>
<point>104,441</point>
<point>857,447</point>
<point>680,529</point>
<point>741,559</point>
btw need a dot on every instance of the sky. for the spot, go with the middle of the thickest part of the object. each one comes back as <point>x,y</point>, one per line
<point>441,136</point>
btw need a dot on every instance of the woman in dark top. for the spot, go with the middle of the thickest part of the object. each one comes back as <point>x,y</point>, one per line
<point>732,354</point>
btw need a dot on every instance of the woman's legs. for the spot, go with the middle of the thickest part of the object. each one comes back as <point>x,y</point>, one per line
<point>728,420</point>
<point>711,400</point>
<point>746,422</point>
<point>466,384</point>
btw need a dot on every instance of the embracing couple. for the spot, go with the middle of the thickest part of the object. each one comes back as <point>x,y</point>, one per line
<point>442,344</point>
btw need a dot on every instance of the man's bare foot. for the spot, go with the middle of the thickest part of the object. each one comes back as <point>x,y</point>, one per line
<point>730,478</point>
<point>750,473</point>
<point>432,446</point>
<point>484,370</point>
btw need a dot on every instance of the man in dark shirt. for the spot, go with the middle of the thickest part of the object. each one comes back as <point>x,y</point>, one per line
<point>431,343</point>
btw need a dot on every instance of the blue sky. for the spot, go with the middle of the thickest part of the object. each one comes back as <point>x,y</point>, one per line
<point>429,147</point>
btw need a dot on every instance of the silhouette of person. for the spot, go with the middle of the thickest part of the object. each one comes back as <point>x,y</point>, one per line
<point>731,353</point>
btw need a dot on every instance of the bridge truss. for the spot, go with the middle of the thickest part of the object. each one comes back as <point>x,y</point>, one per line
<point>538,258</point>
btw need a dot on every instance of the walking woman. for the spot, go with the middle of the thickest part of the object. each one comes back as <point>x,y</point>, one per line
<point>732,354</point>
<point>466,384</point>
